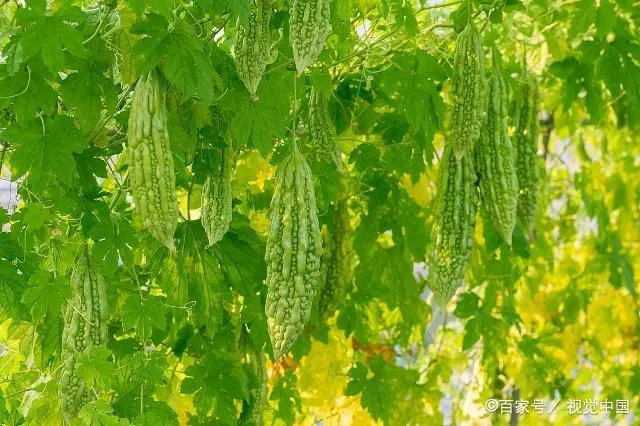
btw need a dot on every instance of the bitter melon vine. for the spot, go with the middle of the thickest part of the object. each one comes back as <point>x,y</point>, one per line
<point>309,23</point>
<point>527,150</point>
<point>455,220</point>
<point>294,247</point>
<point>495,162</point>
<point>252,46</point>
<point>85,326</point>
<point>336,269</point>
<point>323,133</point>
<point>468,91</point>
<point>153,182</point>
<point>217,198</point>
<point>252,410</point>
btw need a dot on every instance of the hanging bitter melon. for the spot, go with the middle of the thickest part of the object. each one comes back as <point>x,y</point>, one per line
<point>469,87</point>
<point>322,130</point>
<point>252,46</point>
<point>85,326</point>
<point>336,270</point>
<point>217,198</point>
<point>309,23</point>
<point>454,225</point>
<point>495,159</point>
<point>294,247</point>
<point>153,181</point>
<point>526,136</point>
<point>253,409</point>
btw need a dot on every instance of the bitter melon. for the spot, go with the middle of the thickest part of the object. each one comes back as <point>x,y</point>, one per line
<point>252,46</point>
<point>309,23</point>
<point>294,247</point>
<point>252,411</point>
<point>495,160</point>
<point>336,269</point>
<point>85,326</point>
<point>526,135</point>
<point>323,133</point>
<point>468,91</point>
<point>153,181</point>
<point>453,228</point>
<point>217,199</point>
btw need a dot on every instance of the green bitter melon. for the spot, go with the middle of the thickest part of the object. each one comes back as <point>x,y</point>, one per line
<point>322,130</point>
<point>453,229</point>
<point>336,271</point>
<point>469,87</point>
<point>495,160</point>
<point>153,181</point>
<point>294,248</point>
<point>85,326</point>
<point>309,23</point>
<point>526,136</point>
<point>217,198</point>
<point>252,46</point>
<point>252,410</point>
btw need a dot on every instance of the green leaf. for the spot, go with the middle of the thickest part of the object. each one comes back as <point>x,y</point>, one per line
<point>467,305</point>
<point>143,315</point>
<point>88,91</point>
<point>45,153</point>
<point>46,294</point>
<point>50,35</point>
<point>179,52</point>
<point>98,413</point>
<point>95,368</point>
<point>471,333</point>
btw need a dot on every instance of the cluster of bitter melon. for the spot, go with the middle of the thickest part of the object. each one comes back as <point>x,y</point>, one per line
<point>323,133</point>
<point>294,247</point>
<point>309,23</point>
<point>526,136</point>
<point>85,326</point>
<point>469,87</point>
<point>252,47</point>
<point>252,410</point>
<point>494,159</point>
<point>153,181</point>
<point>217,198</point>
<point>336,269</point>
<point>453,229</point>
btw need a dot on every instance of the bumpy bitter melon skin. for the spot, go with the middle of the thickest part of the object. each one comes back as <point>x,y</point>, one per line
<point>153,181</point>
<point>336,271</point>
<point>85,327</point>
<point>252,412</point>
<point>453,229</point>
<point>294,248</point>
<point>252,46</point>
<point>309,23</point>
<point>217,199</point>
<point>469,90</point>
<point>495,161</point>
<point>322,130</point>
<point>526,135</point>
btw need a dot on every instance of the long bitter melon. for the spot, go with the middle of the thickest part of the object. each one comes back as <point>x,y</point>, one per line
<point>252,46</point>
<point>322,130</point>
<point>153,181</point>
<point>85,326</point>
<point>453,229</point>
<point>294,247</point>
<point>217,198</point>
<point>468,91</point>
<point>495,160</point>
<point>526,136</point>
<point>309,23</point>
<point>336,269</point>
